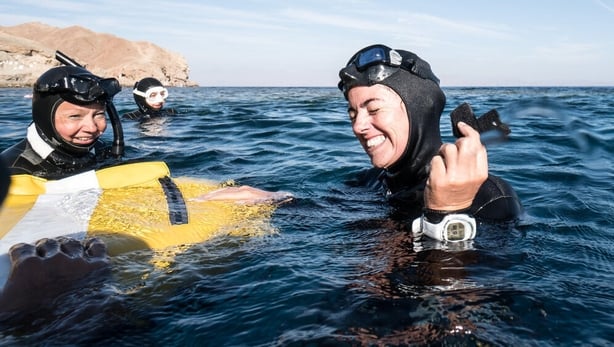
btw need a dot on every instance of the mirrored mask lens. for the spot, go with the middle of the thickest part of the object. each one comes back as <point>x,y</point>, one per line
<point>373,55</point>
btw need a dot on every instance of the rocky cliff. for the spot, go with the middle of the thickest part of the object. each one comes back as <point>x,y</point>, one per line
<point>28,50</point>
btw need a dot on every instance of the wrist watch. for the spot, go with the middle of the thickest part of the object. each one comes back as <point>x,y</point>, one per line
<point>452,227</point>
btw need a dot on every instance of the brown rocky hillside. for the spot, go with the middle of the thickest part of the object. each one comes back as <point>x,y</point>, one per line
<point>27,50</point>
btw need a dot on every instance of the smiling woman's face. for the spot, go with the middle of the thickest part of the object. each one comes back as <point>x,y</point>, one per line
<point>380,123</point>
<point>80,125</point>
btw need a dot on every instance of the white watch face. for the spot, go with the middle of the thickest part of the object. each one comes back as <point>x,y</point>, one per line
<point>456,231</point>
<point>453,227</point>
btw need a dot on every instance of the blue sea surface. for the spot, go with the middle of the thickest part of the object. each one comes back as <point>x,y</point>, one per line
<point>340,269</point>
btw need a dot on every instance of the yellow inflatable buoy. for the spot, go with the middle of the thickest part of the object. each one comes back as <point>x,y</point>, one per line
<point>129,206</point>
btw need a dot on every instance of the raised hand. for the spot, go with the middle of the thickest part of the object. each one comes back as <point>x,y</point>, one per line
<point>457,172</point>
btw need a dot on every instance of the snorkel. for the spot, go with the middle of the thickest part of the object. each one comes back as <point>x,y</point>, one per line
<point>117,148</point>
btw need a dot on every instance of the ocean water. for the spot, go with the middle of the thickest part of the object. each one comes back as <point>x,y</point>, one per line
<point>340,269</point>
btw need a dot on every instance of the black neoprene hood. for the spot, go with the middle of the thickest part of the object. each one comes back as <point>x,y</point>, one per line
<point>49,92</point>
<point>143,85</point>
<point>424,101</point>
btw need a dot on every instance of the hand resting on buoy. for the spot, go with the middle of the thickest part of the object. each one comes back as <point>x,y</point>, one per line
<point>41,272</point>
<point>245,195</point>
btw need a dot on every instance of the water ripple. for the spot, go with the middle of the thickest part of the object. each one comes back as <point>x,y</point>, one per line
<point>341,268</point>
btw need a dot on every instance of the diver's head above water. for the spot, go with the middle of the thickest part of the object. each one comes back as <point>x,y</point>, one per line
<point>367,82</point>
<point>149,94</point>
<point>68,107</point>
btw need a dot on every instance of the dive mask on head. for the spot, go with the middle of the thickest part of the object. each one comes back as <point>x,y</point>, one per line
<point>153,95</point>
<point>73,84</point>
<point>375,63</point>
<point>81,88</point>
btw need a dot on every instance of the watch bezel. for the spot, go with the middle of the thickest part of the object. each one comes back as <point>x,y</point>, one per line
<point>439,231</point>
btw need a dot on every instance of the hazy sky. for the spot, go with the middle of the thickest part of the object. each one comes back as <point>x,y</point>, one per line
<point>305,43</point>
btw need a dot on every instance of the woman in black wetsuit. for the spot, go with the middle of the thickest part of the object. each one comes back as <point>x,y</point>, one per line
<point>150,96</point>
<point>68,113</point>
<point>395,103</point>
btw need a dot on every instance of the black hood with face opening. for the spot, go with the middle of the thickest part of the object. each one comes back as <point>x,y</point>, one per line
<point>142,86</point>
<point>413,80</point>
<point>72,84</point>
<point>424,101</point>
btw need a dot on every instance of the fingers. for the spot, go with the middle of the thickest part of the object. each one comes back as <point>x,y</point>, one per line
<point>449,157</point>
<point>95,248</point>
<point>467,130</point>
<point>457,172</point>
<point>47,247</point>
<point>41,271</point>
<point>438,169</point>
<point>71,247</point>
<point>467,156</point>
<point>21,251</point>
<point>61,246</point>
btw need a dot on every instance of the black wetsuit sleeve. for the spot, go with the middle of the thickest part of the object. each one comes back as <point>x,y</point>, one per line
<point>20,158</point>
<point>496,202</point>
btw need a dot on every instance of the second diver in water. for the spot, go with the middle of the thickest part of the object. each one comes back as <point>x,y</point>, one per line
<point>150,96</point>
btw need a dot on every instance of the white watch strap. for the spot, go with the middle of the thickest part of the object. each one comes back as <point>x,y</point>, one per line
<point>453,227</point>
